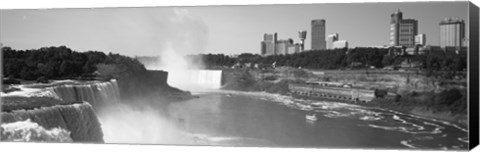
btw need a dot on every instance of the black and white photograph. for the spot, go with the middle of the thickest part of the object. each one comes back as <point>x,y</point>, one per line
<point>377,75</point>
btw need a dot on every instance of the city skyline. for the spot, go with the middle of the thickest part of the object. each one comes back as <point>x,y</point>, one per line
<point>212,29</point>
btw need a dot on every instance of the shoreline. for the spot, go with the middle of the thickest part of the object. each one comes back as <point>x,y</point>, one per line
<point>403,111</point>
<point>444,104</point>
<point>422,114</point>
<point>419,114</point>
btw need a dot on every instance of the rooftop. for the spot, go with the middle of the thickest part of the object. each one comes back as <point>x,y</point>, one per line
<point>451,20</point>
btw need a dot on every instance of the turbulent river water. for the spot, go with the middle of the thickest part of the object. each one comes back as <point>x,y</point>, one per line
<point>230,118</point>
<point>260,119</point>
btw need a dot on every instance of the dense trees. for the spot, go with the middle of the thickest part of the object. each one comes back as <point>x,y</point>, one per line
<point>211,60</point>
<point>358,57</point>
<point>340,58</point>
<point>61,62</point>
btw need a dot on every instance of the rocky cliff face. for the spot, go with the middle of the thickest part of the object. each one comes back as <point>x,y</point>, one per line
<point>151,85</point>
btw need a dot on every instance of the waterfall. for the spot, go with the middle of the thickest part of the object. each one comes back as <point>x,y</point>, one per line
<point>52,124</point>
<point>195,79</point>
<point>97,93</point>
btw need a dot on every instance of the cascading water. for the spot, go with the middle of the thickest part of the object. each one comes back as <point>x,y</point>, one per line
<point>94,93</point>
<point>195,79</point>
<point>74,119</point>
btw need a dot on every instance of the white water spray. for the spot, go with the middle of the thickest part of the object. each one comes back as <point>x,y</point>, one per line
<point>139,125</point>
<point>185,74</point>
<point>144,123</point>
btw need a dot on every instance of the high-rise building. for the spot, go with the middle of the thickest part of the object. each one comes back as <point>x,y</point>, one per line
<point>408,29</point>
<point>268,44</point>
<point>331,39</point>
<point>452,32</point>
<point>281,47</point>
<point>402,31</point>
<point>394,20</point>
<point>302,35</point>
<point>295,48</point>
<point>271,45</point>
<point>318,34</point>
<point>420,39</point>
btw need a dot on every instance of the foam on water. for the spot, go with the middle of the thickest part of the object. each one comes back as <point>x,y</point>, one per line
<point>25,91</point>
<point>463,139</point>
<point>30,131</point>
<point>395,117</point>
<point>409,127</point>
<point>407,143</point>
<point>408,130</point>
<point>404,123</point>
<point>370,118</point>
<point>432,119</point>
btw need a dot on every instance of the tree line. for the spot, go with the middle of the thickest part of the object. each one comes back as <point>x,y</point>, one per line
<point>63,63</point>
<point>354,58</point>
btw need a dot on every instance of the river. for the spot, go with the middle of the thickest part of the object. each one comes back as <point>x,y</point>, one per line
<point>232,118</point>
<point>260,119</point>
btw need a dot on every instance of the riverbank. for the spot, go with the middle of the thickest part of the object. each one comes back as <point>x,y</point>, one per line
<point>414,109</point>
<point>415,97</point>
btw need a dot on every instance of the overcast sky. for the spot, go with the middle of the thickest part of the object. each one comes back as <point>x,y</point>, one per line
<point>214,29</point>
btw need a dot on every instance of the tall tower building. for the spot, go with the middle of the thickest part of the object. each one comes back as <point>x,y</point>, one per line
<point>452,32</point>
<point>302,35</point>
<point>402,31</point>
<point>318,34</point>
<point>331,39</point>
<point>395,19</point>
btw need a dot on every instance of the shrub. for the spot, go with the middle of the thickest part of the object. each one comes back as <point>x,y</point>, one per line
<point>11,81</point>
<point>280,87</point>
<point>270,78</point>
<point>380,93</point>
<point>448,97</point>
<point>9,89</point>
<point>42,79</point>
